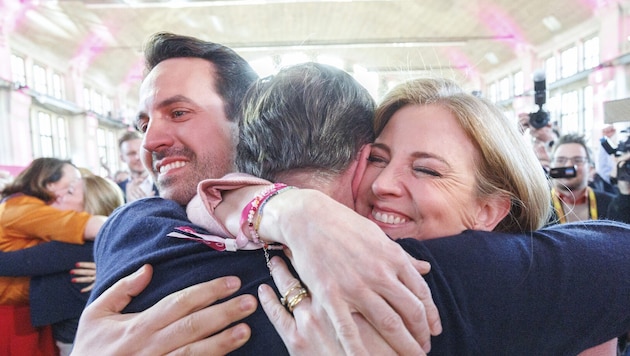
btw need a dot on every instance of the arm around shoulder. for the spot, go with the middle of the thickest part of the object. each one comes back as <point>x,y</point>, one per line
<point>94,224</point>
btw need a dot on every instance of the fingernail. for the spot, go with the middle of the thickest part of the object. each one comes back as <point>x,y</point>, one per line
<point>232,282</point>
<point>76,264</point>
<point>273,263</point>
<point>71,271</point>
<point>427,347</point>
<point>138,272</point>
<point>74,280</point>
<point>247,303</point>
<point>263,293</point>
<point>239,332</point>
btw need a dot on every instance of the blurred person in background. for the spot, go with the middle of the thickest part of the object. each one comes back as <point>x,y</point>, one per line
<point>30,215</point>
<point>60,272</point>
<point>619,208</point>
<point>120,176</point>
<point>139,184</point>
<point>606,161</point>
<point>573,199</point>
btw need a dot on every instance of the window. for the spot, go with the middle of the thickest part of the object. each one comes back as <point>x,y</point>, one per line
<point>40,81</point>
<point>50,135</point>
<point>519,83</point>
<point>504,89</point>
<point>57,87</point>
<point>568,62</point>
<point>107,106</point>
<point>492,92</point>
<point>107,151</point>
<point>96,101</point>
<point>87,100</point>
<point>45,135</point>
<point>550,69</point>
<point>591,53</point>
<point>62,137</point>
<point>569,122</point>
<point>18,70</point>
<point>587,107</point>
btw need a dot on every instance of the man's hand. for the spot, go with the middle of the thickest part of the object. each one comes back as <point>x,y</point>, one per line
<point>182,323</point>
<point>134,190</point>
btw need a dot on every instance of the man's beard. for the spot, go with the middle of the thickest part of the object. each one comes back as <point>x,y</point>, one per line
<point>183,188</point>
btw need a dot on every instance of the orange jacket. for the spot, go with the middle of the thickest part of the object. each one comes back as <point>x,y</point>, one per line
<point>26,221</point>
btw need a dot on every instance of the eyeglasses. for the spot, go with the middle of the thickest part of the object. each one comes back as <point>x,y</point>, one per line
<point>575,160</point>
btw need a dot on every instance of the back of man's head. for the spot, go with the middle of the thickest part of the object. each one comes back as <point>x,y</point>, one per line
<point>233,74</point>
<point>308,117</point>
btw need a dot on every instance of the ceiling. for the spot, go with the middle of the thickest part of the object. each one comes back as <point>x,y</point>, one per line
<point>393,37</point>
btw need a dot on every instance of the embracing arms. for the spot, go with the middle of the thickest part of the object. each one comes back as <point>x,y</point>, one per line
<point>45,258</point>
<point>380,281</point>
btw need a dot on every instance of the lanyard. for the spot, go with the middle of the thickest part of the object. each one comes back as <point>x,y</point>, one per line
<point>592,204</point>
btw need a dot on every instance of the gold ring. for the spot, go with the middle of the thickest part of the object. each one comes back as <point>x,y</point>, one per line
<point>295,286</point>
<point>293,302</point>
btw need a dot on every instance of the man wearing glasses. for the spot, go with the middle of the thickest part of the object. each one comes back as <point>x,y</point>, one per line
<point>573,199</point>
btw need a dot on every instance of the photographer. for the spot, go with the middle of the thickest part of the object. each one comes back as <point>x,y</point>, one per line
<point>605,160</point>
<point>619,208</point>
<point>573,199</point>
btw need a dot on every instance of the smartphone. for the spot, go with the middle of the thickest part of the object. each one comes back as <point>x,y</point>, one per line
<point>563,172</point>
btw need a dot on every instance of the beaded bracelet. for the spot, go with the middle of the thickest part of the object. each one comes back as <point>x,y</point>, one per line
<point>249,212</point>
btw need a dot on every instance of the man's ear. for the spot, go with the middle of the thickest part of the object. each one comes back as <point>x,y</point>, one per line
<point>491,212</point>
<point>362,157</point>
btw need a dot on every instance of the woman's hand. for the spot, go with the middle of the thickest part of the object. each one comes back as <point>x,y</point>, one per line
<point>351,267</point>
<point>85,273</point>
<point>308,331</point>
<point>183,323</point>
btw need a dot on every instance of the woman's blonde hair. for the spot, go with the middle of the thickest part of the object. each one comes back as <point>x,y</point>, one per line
<point>101,195</point>
<point>506,166</point>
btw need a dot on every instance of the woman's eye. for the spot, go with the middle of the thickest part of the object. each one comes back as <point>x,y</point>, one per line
<point>428,171</point>
<point>377,161</point>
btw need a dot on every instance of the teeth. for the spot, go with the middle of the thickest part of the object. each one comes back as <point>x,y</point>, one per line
<point>388,219</point>
<point>172,165</point>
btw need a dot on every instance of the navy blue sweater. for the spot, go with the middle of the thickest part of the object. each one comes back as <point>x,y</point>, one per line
<point>556,291</point>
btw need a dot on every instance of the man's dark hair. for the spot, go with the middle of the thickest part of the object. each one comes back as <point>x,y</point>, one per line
<point>573,138</point>
<point>307,117</point>
<point>233,74</point>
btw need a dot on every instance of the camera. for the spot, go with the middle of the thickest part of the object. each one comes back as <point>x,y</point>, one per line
<point>562,172</point>
<point>623,171</point>
<point>622,147</point>
<point>623,168</point>
<point>540,118</point>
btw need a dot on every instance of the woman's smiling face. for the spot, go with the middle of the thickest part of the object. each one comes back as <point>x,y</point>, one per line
<point>420,177</point>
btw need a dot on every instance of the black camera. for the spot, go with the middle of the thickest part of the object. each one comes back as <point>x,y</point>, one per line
<point>622,147</point>
<point>623,171</point>
<point>562,172</point>
<point>540,118</point>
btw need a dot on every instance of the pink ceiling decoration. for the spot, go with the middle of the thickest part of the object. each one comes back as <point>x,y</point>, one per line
<point>459,60</point>
<point>12,13</point>
<point>501,24</point>
<point>135,73</point>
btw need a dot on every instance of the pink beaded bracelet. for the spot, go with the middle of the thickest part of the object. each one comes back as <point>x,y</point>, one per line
<point>251,214</point>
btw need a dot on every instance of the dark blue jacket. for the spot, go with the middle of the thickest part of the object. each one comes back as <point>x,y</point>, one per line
<point>53,298</point>
<point>554,292</point>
